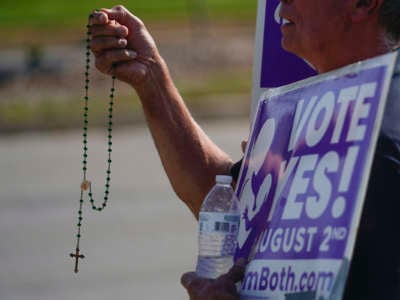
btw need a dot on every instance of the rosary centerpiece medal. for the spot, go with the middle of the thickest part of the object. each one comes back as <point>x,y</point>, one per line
<point>86,187</point>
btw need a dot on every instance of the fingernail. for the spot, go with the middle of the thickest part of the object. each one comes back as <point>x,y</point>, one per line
<point>102,18</point>
<point>94,12</point>
<point>122,42</point>
<point>187,278</point>
<point>122,31</point>
<point>130,53</point>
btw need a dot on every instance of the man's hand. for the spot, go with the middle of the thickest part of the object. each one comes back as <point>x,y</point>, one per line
<point>121,44</point>
<point>222,288</point>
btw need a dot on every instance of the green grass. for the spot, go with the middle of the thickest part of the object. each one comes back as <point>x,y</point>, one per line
<point>26,23</point>
<point>231,90</point>
<point>45,15</point>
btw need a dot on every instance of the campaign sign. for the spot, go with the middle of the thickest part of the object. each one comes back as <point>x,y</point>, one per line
<point>304,178</point>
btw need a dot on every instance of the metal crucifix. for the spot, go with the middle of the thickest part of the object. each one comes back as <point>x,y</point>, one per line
<point>77,256</point>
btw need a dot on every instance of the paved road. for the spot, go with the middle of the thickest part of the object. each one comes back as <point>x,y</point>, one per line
<point>136,249</point>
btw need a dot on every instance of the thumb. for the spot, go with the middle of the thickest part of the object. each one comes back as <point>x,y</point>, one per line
<point>243,145</point>
<point>236,273</point>
<point>123,16</point>
<point>188,278</point>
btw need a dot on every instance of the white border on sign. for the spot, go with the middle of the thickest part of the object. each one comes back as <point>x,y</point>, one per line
<point>257,62</point>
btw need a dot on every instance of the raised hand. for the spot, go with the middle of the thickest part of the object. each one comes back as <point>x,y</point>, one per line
<point>121,44</point>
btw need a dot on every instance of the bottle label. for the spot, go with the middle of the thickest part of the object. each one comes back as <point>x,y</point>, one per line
<point>219,222</point>
<point>218,233</point>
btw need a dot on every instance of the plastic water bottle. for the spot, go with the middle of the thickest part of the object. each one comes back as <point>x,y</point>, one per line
<point>218,228</point>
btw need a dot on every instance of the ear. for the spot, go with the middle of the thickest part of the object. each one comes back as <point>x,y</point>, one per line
<point>364,9</point>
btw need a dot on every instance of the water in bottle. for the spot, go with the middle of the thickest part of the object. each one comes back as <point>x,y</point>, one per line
<point>218,228</point>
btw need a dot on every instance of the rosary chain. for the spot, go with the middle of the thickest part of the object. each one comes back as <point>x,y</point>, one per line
<point>86,185</point>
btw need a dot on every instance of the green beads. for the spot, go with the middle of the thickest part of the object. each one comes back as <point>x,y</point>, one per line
<point>85,142</point>
<point>86,121</point>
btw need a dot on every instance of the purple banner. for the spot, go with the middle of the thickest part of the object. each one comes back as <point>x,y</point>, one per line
<point>303,180</point>
<point>279,67</point>
<point>311,163</point>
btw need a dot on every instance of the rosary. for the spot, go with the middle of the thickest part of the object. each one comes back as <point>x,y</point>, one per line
<point>86,185</point>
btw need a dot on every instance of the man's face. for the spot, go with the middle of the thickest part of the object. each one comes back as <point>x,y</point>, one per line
<point>313,29</point>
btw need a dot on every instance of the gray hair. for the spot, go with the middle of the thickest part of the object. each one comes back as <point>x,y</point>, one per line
<point>389,18</point>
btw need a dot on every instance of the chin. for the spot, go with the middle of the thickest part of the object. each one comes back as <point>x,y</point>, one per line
<point>293,47</point>
<point>288,46</point>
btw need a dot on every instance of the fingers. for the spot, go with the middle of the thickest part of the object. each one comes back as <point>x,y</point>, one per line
<point>107,59</point>
<point>243,146</point>
<point>193,283</point>
<point>196,286</point>
<point>117,39</point>
<point>109,29</point>
<point>120,14</point>
<point>187,278</point>
<point>101,25</point>
<point>98,18</point>
<point>99,44</point>
<point>108,42</point>
<point>117,14</point>
<point>222,288</point>
<point>236,273</point>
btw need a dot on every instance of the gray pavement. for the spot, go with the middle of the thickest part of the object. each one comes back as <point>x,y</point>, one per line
<point>136,249</point>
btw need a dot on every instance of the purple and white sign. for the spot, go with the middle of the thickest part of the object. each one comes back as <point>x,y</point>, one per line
<point>303,180</point>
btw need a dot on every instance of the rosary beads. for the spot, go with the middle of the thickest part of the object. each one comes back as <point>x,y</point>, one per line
<point>86,185</point>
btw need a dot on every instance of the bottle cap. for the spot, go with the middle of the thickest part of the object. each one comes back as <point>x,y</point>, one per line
<point>226,179</point>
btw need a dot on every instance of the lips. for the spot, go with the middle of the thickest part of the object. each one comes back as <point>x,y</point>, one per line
<point>286,14</point>
<point>286,21</point>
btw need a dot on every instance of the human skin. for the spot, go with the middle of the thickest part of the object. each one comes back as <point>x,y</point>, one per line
<point>221,288</point>
<point>332,33</point>
<point>190,159</point>
<point>342,32</point>
<point>329,34</point>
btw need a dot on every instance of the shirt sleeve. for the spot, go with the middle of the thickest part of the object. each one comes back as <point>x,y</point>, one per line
<point>235,169</point>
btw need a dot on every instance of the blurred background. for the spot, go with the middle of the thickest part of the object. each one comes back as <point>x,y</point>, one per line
<point>146,238</point>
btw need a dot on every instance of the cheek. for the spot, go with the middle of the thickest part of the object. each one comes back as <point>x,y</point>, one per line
<point>291,42</point>
<point>313,37</point>
<point>321,34</point>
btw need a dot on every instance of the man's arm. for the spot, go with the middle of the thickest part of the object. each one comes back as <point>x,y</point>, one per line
<point>123,47</point>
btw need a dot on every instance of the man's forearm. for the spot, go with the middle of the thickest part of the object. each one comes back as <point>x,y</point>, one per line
<point>190,159</point>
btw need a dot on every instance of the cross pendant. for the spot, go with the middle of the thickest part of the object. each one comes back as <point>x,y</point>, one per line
<point>77,256</point>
